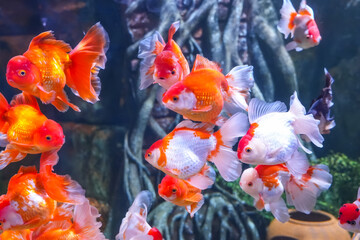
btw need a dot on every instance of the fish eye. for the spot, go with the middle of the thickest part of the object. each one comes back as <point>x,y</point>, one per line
<point>173,72</point>
<point>174,190</point>
<point>162,78</point>
<point>48,137</point>
<point>353,222</point>
<point>357,209</point>
<point>149,154</point>
<point>175,98</point>
<point>22,73</point>
<point>250,184</point>
<point>248,150</point>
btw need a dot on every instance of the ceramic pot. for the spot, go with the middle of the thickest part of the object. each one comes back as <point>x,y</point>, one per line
<point>318,225</point>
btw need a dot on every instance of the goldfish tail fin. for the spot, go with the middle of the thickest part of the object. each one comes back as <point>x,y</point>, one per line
<point>204,179</point>
<point>298,164</point>
<point>58,187</point>
<point>305,124</point>
<point>286,23</point>
<point>279,210</point>
<point>86,60</point>
<point>139,208</point>
<point>4,107</point>
<point>10,155</point>
<point>194,207</point>
<point>149,48</point>
<point>56,225</point>
<point>224,158</point>
<point>240,80</point>
<point>85,223</point>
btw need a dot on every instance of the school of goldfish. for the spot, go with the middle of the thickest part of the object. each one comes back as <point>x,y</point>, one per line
<point>218,111</point>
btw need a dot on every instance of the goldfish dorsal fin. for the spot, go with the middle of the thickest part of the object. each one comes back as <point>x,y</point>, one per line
<point>25,98</point>
<point>52,225</point>
<point>258,108</point>
<point>206,127</point>
<point>27,169</point>
<point>149,48</point>
<point>142,203</point>
<point>306,9</point>
<point>202,62</point>
<point>46,40</point>
<point>172,30</point>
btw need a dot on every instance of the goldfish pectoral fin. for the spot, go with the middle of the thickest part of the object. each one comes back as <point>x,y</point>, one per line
<point>45,96</point>
<point>195,198</point>
<point>64,98</point>
<point>194,207</point>
<point>202,109</point>
<point>204,179</point>
<point>3,140</point>
<point>279,210</point>
<point>32,223</point>
<point>10,155</point>
<point>50,158</point>
<point>259,204</point>
<point>291,46</point>
<point>56,225</point>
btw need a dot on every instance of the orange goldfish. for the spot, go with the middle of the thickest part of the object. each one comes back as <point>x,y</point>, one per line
<point>181,193</point>
<point>301,25</point>
<point>16,235</point>
<point>49,64</point>
<point>200,95</point>
<point>82,226</point>
<point>184,152</point>
<point>26,204</point>
<point>134,225</point>
<point>267,183</point>
<point>25,130</point>
<point>162,63</point>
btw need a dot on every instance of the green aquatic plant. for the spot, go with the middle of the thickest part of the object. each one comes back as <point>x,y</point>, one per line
<point>345,184</point>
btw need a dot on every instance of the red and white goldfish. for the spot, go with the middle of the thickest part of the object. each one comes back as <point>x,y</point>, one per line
<point>273,135</point>
<point>25,130</point>
<point>82,226</point>
<point>301,25</point>
<point>181,193</point>
<point>349,215</point>
<point>184,152</point>
<point>162,63</point>
<point>49,64</point>
<point>267,183</point>
<point>26,204</point>
<point>134,225</point>
<point>16,235</point>
<point>200,96</point>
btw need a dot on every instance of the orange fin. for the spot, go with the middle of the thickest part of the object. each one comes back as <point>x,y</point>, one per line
<point>259,205</point>
<point>86,60</point>
<point>10,155</point>
<point>193,208</point>
<point>52,225</point>
<point>63,212</point>
<point>4,107</point>
<point>45,96</point>
<point>172,30</point>
<point>58,187</point>
<point>47,41</point>
<point>25,98</point>
<point>61,95</point>
<point>202,62</point>
<point>195,198</point>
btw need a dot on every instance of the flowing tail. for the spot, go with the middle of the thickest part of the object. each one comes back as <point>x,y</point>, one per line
<point>240,80</point>
<point>85,223</point>
<point>303,191</point>
<point>305,124</point>
<point>58,187</point>
<point>224,158</point>
<point>87,58</point>
<point>149,48</point>
<point>286,24</point>
<point>279,210</point>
